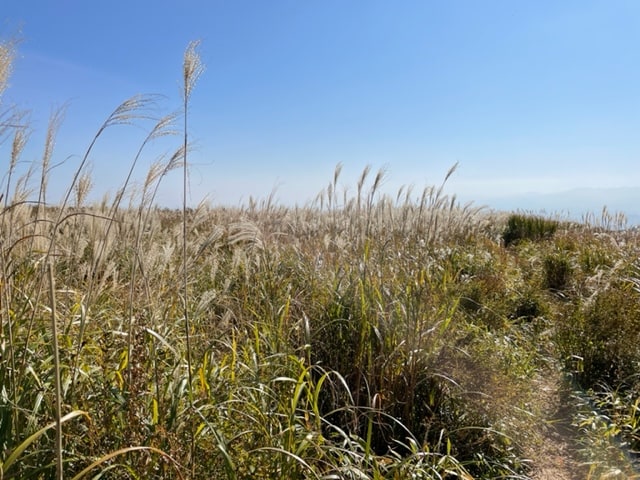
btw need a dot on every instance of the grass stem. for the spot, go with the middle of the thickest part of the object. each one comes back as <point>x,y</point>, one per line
<point>56,362</point>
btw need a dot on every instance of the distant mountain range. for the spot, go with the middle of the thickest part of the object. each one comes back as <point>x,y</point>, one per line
<point>573,204</point>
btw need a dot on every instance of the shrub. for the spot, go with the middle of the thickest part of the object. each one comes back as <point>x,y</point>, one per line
<point>604,335</point>
<point>557,272</point>
<point>528,227</point>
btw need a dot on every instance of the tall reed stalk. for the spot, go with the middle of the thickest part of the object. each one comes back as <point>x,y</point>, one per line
<point>56,364</point>
<point>193,68</point>
<point>127,112</point>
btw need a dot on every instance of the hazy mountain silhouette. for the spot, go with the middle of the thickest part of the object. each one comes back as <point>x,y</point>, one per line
<point>573,204</point>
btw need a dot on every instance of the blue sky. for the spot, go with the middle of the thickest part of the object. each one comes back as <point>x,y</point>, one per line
<point>526,96</point>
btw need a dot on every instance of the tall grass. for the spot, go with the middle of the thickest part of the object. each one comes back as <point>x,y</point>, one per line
<point>359,336</point>
<point>56,368</point>
<point>192,69</point>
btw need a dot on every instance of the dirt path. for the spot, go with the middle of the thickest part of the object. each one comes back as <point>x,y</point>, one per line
<point>554,455</point>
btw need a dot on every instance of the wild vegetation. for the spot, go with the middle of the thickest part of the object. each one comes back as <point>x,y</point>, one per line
<point>359,336</point>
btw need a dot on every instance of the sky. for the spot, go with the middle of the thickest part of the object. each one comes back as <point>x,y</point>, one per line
<point>526,97</point>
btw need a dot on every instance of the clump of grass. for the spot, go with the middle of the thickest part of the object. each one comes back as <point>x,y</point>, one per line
<point>603,335</point>
<point>608,421</point>
<point>528,227</point>
<point>557,272</point>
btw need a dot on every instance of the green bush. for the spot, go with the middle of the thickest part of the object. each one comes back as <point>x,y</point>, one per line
<point>528,227</point>
<point>557,272</point>
<point>603,338</point>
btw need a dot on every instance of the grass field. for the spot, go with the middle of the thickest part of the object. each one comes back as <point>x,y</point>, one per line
<point>359,336</point>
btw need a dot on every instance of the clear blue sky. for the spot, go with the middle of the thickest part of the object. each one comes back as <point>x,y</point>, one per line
<point>538,96</point>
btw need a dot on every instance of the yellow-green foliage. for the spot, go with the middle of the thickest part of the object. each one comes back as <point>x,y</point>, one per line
<point>527,227</point>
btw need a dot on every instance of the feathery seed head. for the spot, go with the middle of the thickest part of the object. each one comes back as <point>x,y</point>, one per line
<point>7,55</point>
<point>193,68</point>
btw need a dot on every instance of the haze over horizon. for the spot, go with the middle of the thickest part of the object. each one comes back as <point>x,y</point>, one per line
<point>537,97</point>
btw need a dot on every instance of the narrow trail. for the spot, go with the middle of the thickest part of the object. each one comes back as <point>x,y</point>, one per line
<point>554,454</point>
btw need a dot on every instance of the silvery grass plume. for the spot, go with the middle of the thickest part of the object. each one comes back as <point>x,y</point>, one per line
<point>52,131</point>
<point>193,68</point>
<point>20,138</point>
<point>7,55</point>
<point>10,120</point>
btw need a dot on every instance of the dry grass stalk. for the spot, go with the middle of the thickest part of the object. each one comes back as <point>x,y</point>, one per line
<point>192,69</point>
<point>56,361</point>
<point>55,121</point>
